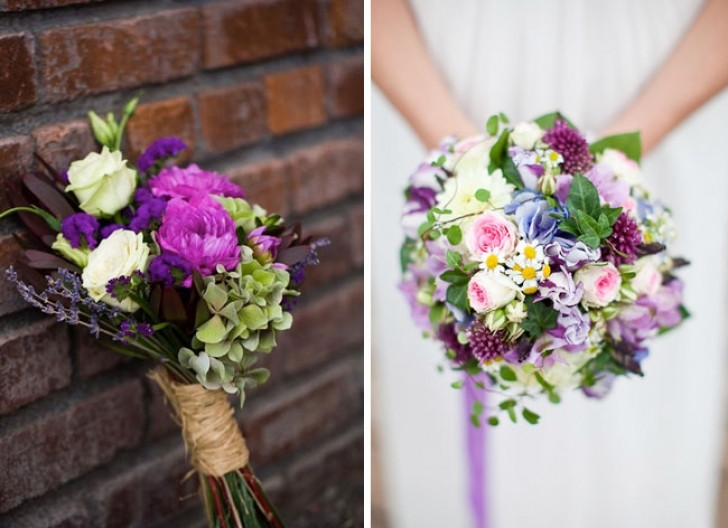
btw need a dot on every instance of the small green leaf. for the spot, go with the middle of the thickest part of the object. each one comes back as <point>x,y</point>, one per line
<point>528,368</point>
<point>436,313</point>
<point>454,235</point>
<point>629,143</point>
<point>507,404</point>
<point>457,295</point>
<point>482,195</point>
<point>492,125</point>
<point>213,331</point>
<point>453,259</point>
<point>478,407</point>
<point>507,373</point>
<point>455,277</point>
<point>498,151</point>
<point>503,118</point>
<point>475,420</point>
<point>547,121</point>
<point>530,416</point>
<point>541,381</point>
<point>457,384</point>
<point>511,174</point>
<point>583,196</point>
<point>493,420</point>
<point>554,397</point>
<point>511,414</point>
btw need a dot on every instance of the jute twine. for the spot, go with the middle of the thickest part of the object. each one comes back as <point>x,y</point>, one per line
<point>212,436</point>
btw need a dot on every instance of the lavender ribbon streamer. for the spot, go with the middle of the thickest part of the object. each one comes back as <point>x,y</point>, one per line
<point>476,452</point>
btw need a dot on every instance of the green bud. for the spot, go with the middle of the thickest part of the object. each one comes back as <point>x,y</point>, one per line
<point>130,107</point>
<point>496,320</point>
<point>424,296</point>
<point>516,311</point>
<point>547,184</point>
<point>102,131</point>
<point>78,256</point>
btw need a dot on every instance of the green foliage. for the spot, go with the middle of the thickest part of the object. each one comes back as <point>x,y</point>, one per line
<point>498,151</point>
<point>547,121</point>
<point>507,373</point>
<point>493,420</point>
<point>454,235</point>
<point>629,143</point>
<point>108,132</point>
<point>511,174</point>
<point>405,253</point>
<point>457,384</point>
<point>589,221</point>
<point>457,295</point>
<point>491,125</point>
<point>439,162</point>
<point>453,259</point>
<point>530,416</point>
<point>540,317</point>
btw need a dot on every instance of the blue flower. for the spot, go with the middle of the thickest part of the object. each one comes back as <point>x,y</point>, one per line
<point>534,216</point>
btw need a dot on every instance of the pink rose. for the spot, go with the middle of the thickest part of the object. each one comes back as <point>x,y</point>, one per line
<point>488,291</point>
<point>490,233</point>
<point>648,278</point>
<point>601,284</point>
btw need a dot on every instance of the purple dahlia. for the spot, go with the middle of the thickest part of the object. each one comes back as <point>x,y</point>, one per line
<point>187,183</point>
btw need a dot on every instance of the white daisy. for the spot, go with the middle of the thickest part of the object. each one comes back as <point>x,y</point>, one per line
<point>528,267</point>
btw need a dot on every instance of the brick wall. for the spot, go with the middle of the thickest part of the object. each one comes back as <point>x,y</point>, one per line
<point>268,91</point>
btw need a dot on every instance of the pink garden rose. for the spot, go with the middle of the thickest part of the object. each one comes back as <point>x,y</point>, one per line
<point>490,233</point>
<point>648,278</point>
<point>488,291</point>
<point>601,284</point>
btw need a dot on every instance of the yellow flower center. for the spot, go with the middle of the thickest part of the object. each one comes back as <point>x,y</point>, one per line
<point>554,156</point>
<point>491,262</point>
<point>516,267</point>
<point>647,238</point>
<point>528,273</point>
<point>530,290</point>
<point>546,270</point>
<point>529,252</point>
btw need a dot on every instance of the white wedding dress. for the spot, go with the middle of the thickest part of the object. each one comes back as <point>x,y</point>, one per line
<point>647,456</point>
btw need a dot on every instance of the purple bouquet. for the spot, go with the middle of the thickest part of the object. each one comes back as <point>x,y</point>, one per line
<point>538,260</point>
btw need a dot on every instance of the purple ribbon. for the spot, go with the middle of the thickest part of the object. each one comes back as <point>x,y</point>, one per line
<point>476,452</point>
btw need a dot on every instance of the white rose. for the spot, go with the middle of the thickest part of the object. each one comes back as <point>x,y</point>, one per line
<point>601,284</point>
<point>623,168</point>
<point>488,291</point>
<point>123,253</point>
<point>102,182</point>
<point>525,135</point>
<point>79,256</point>
<point>648,277</point>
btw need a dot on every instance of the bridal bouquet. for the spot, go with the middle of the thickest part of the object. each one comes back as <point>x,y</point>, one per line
<point>173,265</point>
<point>538,260</point>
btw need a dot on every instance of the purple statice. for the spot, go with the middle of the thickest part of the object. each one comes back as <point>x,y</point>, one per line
<point>170,269</point>
<point>623,243</point>
<point>486,345</point>
<point>110,228</point>
<point>191,182</point>
<point>264,246</point>
<point>80,229</point>
<point>571,331</point>
<point>571,145</point>
<point>534,217</point>
<point>147,213</point>
<point>160,150</point>
<point>610,188</point>
<point>567,252</point>
<point>448,334</point>
<point>297,271</point>
<point>561,290</point>
<point>201,232</point>
<point>118,287</point>
<point>131,329</point>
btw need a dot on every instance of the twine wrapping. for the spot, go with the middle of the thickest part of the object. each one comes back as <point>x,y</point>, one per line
<point>212,436</point>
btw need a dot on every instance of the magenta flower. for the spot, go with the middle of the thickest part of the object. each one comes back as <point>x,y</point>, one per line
<point>175,182</point>
<point>263,245</point>
<point>201,232</point>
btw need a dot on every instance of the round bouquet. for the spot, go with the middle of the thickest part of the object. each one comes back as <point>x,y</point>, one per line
<point>172,265</point>
<point>538,260</point>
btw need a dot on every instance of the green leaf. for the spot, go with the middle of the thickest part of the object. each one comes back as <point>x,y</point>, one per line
<point>530,416</point>
<point>213,331</point>
<point>590,240</point>
<point>503,118</point>
<point>493,420</point>
<point>498,151</point>
<point>512,415</point>
<point>454,235</point>
<point>253,317</point>
<point>492,125</point>
<point>475,420</point>
<point>455,277</point>
<point>478,407</point>
<point>629,143</point>
<point>541,381</point>
<point>405,253</point>
<point>612,213</point>
<point>507,373</point>
<point>457,384</point>
<point>547,121</point>
<point>583,196</point>
<point>528,368</point>
<point>554,397</point>
<point>439,162</point>
<point>482,195</point>
<point>511,174</point>
<point>507,404</point>
<point>540,317</point>
<point>453,259</point>
<point>457,295</point>
<point>570,226</point>
<point>436,313</point>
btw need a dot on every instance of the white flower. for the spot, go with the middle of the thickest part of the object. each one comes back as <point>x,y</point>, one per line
<point>458,194</point>
<point>623,168</point>
<point>648,277</point>
<point>102,183</point>
<point>601,284</point>
<point>550,159</point>
<point>79,256</point>
<point>488,291</point>
<point>123,253</point>
<point>529,267</point>
<point>525,135</point>
<point>473,151</point>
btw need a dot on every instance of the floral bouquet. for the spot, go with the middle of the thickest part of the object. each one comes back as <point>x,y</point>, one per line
<point>169,264</point>
<point>538,260</point>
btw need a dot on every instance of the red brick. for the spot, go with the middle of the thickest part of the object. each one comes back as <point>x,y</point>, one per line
<point>151,121</point>
<point>356,219</point>
<point>107,56</point>
<point>10,301</point>
<point>325,327</point>
<point>92,357</point>
<point>345,87</point>
<point>327,485</point>
<point>265,183</point>
<point>60,144</point>
<point>335,259</point>
<point>345,22</point>
<point>313,410</point>
<point>295,99</point>
<point>62,445</point>
<point>17,71</point>
<point>16,158</point>
<point>233,116</point>
<point>34,361</point>
<point>326,173</point>
<point>247,31</point>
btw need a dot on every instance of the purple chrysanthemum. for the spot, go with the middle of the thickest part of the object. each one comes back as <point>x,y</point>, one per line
<point>170,269</point>
<point>622,244</point>
<point>80,228</point>
<point>449,337</point>
<point>485,344</point>
<point>201,232</point>
<point>187,183</point>
<point>160,149</point>
<point>571,145</point>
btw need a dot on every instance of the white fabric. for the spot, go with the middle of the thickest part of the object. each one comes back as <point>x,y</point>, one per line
<point>647,456</point>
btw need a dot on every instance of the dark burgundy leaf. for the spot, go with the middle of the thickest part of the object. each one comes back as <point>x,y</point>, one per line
<point>49,197</point>
<point>42,260</point>
<point>34,223</point>
<point>173,309</point>
<point>293,255</point>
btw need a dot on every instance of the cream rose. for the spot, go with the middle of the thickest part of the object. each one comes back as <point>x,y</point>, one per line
<point>648,277</point>
<point>102,183</point>
<point>525,135</point>
<point>623,167</point>
<point>601,284</point>
<point>123,253</point>
<point>488,291</point>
